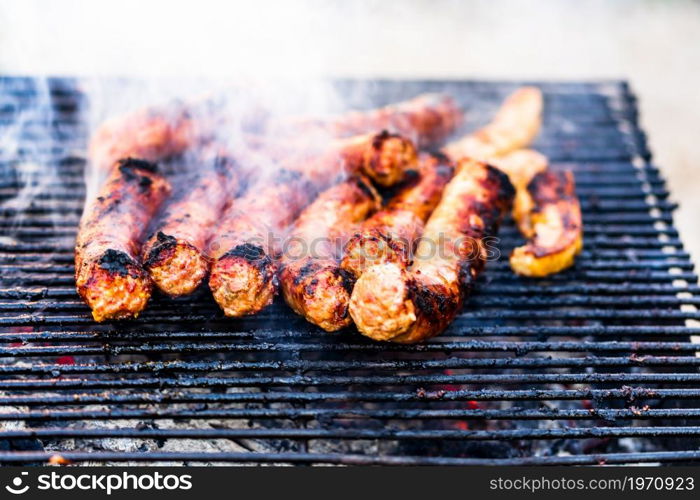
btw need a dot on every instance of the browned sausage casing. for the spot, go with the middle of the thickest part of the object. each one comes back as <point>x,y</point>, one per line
<point>151,134</point>
<point>426,119</point>
<point>559,235</point>
<point>313,284</point>
<point>108,272</point>
<point>515,125</point>
<point>244,252</point>
<point>383,157</point>
<point>247,241</point>
<point>176,254</point>
<point>390,234</point>
<point>547,212</point>
<point>521,166</point>
<point>392,303</point>
<point>551,216</point>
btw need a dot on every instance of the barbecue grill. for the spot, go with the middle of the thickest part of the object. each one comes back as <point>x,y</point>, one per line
<point>596,365</point>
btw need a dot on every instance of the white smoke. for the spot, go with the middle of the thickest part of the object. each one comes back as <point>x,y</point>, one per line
<point>651,42</point>
<point>25,145</point>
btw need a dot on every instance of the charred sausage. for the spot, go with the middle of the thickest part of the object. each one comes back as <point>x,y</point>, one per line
<point>246,244</point>
<point>108,273</point>
<point>551,215</point>
<point>521,166</point>
<point>176,254</point>
<point>560,229</point>
<point>390,234</point>
<point>383,157</point>
<point>151,134</point>
<point>547,212</point>
<point>407,306</point>
<point>312,282</point>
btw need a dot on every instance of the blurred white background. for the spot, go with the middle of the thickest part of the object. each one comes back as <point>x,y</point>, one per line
<point>653,43</point>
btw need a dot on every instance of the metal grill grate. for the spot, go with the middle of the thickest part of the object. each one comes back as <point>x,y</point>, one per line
<point>596,365</point>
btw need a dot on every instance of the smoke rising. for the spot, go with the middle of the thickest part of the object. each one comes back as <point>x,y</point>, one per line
<point>26,143</point>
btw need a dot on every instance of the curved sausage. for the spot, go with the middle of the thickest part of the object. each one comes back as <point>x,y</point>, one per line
<point>521,166</point>
<point>552,215</point>
<point>559,235</point>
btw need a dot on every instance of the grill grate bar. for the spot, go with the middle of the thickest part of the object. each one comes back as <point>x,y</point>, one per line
<point>323,380</point>
<point>497,289</point>
<point>386,433</point>
<point>311,365</point>
<point>313,414</point>
<point>421,395</point>
<point>351,459</point>
<point>484,302</point>
<point>589,314</point>
<point>498,266</point>
<point>468,345</point>
<point>442,344</point>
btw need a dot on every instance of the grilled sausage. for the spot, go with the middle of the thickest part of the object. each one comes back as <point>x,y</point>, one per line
<point>312,282</point>
<point>150,133</point>
<point>521,166</point>
<point>108,273</point>
<point>407,306</point>
<point>559,237</point>
<point>516,123</point>
<point>176,255</point>
<point>247,242</point>
<point>244,250</point>
<point>547,212</point>
<point>552,221</point>
<point>390,234</point>
<point>382,157</point>
<point>515,126</point>
<point>427,119</point>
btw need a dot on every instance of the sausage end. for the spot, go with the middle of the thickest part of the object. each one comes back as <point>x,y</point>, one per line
<point>176,267</point>
<point>370,248</point>
<point>243,280</point>
<point>320,292</point>
<point>388,159</point>
<point>114,286</point>
<point>380,304</point>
